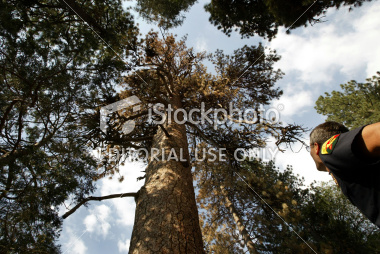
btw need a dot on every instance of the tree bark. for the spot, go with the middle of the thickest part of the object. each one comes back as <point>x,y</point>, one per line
<point>239,223</point>
<point>166,219</point>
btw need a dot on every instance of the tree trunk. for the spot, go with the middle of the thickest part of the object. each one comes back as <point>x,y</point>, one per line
<point>166,219</point>
<point>242,230</point>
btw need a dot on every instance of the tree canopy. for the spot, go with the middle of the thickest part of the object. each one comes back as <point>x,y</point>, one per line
<point>334,225</point>
<point>166,13</point>
<point>264,17</point>
<point>54,70</point>
<point>356,105</point>
<point>57,74</point>
<point>168,67</point>
<point>249,18</point>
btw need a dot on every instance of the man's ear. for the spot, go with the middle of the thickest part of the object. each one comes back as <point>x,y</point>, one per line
<point>317,148</point>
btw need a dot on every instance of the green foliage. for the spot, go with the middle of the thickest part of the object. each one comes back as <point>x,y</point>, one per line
<point>167,13</point>
<point>358,104</point>
<point>280,190</point>
<point>265,16</point>
<point>54,72</point>
<point>333,225</point>
<point>248,17</point>
<point>321,214</point>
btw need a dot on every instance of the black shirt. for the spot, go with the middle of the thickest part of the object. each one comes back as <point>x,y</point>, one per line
<point>358,178</point>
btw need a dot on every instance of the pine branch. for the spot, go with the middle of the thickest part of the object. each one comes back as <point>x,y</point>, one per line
<point>76,9</point>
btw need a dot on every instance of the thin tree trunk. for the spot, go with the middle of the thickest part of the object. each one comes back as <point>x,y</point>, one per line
<point>166,219</point>
<point>239,223</point>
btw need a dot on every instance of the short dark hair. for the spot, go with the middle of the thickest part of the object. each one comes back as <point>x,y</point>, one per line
<point>326,130</point>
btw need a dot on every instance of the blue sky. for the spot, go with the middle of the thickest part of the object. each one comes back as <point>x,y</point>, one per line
<point>315,59</point>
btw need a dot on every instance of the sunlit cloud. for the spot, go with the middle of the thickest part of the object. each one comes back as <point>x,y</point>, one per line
<point>97,221</point>
<point>347,43</point>
<point>124,207</point>
<point>75,244</point>
<point>294,103</point>
<point>123,246</point>
<point>201,44</point>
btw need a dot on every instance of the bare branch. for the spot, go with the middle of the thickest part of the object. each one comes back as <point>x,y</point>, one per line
<point>202,135</point>
<point>7,111</point>
<point>122,195</point>
<point>170,92</point>
<point>165,131</point>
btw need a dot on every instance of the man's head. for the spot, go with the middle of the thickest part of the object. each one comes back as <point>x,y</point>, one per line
<point>320,135</point>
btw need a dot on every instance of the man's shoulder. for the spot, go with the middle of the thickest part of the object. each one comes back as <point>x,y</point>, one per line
<point>367,144</point>
<point>345,151</point>
<point>337,153</point>
<point>329,145</point>
<point>342,142</point>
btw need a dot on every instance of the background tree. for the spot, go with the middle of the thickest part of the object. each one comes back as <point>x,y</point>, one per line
<point>54,70</point>
<point>231,206</point>
<point>358,104</point>
<point>334,225</point>
<point>265,16</point>
<point>320,214</point>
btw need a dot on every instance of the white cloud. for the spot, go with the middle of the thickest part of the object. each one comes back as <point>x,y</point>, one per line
<point>346,44</point>
<point>126,212</point>
<point>79,247</point>
<point>302,164</point>
<point>293,103</point>
<point>90,222</point>
<point>97,220</point>
<point>74,245</point>
<point>299,158</point>
<point>125,207</point>
<point>369,24</point>
<point>117,212</point>
<point>123,246</point>
<point>130,172</point>
<point>201,44</point>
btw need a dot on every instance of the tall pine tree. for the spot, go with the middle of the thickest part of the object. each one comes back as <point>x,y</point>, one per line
<point>174,76</point>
